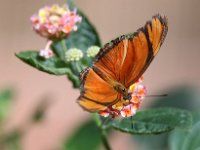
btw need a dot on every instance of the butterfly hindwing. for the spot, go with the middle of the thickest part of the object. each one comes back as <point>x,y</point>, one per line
<point>96,93</point>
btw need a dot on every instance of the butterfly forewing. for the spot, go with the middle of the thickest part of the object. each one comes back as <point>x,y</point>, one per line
<point>109,59</point>
<point>135,60</point>
<point>156,31</point>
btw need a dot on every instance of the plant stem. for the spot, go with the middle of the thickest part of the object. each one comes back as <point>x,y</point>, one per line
<point>97,119</point>
<point>78,67</point>
<point>48,45</point>
<point>99,123</point>
<point>64,45</point>
<point>105,140</point>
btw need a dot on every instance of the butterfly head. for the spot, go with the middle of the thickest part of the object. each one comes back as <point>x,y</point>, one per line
<point>123,90</point>
<point>127,96</point>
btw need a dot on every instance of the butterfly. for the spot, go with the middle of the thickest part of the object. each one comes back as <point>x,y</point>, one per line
<point>119,64</point>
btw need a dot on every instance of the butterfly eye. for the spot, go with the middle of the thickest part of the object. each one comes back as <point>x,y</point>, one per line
<point>127,97</point>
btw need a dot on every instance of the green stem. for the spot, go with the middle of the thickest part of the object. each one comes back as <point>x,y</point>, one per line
<point>104,139</point>
<point>78,67</point>
<point>97,119</point>
<point>64,45</point>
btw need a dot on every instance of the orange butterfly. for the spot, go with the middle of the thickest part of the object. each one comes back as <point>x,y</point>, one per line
<point>119,64</point>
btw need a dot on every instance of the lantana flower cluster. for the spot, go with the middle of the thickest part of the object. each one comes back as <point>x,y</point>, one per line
<point>55,22</point>
<point>127,108</point>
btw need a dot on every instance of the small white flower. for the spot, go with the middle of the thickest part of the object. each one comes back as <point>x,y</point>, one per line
<point>73,54</point>
<point>46,53</point>
<point>92,51</point>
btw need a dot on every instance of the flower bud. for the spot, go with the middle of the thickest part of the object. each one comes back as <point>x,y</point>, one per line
<point>73,54</point>
<point>92,51</point>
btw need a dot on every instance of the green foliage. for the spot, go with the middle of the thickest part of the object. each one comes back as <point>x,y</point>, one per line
<point>186,140</point>
<point>151,141</point>
<point>5,101</point>
<point>40,110</point>
<point>52,65</point>
<point>154,121</point>
<point>176,139</point>
<point>183,97</point>
<point>11,141</point>
<point>179,140</point>
<point>87,137</point>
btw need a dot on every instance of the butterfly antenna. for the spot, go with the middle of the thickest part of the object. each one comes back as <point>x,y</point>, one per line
<point>162,95</point>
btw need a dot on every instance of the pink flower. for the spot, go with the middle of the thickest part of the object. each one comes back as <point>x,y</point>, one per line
<point>128,110</point>
<point>55,22</point>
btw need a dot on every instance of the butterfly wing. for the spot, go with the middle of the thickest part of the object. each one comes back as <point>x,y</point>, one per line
<point>126,58</point>
<point>96,94</point>
<point>122,60</point>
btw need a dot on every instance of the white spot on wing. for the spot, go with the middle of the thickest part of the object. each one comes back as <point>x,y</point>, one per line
<point>125,50</point>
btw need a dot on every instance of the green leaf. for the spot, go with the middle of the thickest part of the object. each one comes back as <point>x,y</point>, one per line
<point>59,47</point>
<point>151,141</point>
<point>183,140</point>
<point>154,121</point>
<point>87,137</point>
<point>176,139</point>
<point>196,117</point>
<point>52,65</point>
<point>192,141</point>
<point>183,97</point>
<point>6,96</point>
<point>84,37</point>
<point>186,139</point>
